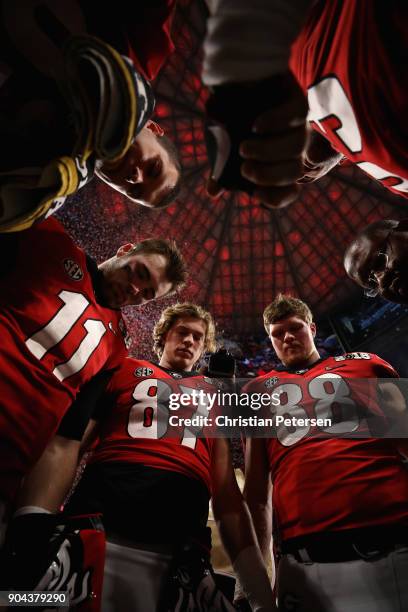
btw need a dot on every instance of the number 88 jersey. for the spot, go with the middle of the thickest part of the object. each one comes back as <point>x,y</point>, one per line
<point>334,476</point>
<point>138,425</point>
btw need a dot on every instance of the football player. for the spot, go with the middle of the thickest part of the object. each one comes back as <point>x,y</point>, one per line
<point>73,106</point>
<point>295,50</point>
<point>60,325</point>
<point>152,480</point>
<point>377,260</point>
<point>340,496</point>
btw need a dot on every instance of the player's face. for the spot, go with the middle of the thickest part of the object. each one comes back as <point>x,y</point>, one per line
<point>379,264</point>
<point>184,343</point>
<point>293,340</point>
<point>132,279</point>
<point>146,173</point>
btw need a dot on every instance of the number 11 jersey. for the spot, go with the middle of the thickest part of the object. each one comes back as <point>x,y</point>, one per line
<point>55,336</point>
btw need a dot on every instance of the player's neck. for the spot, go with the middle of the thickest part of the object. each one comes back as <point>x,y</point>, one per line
<point>306,363</point>
<point>169,365</point>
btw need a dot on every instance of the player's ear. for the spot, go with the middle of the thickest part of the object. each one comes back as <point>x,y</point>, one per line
<point>124,249</point>
<point>313,329</point>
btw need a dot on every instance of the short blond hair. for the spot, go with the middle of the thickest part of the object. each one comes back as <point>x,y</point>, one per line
<point>286,306</point>
<point>169,317</point>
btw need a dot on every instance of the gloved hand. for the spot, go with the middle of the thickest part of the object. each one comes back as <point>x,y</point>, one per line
<point>256,138</point>
<point>26,551</point>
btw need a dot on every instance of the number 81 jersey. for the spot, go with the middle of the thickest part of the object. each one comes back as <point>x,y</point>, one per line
<point>334,475</point>
<point>138,424</point>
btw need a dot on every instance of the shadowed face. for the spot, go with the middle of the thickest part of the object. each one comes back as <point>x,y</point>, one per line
<point>379,262</point>
<point>146,173</point>
<point>293,341</point>
<point>133,279</point>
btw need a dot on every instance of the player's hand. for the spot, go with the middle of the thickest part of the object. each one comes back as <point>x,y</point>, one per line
<point>273,155</point>
<point>25,555</point>
<point>269,145</point>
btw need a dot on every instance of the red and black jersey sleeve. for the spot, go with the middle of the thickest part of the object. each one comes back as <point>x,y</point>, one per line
<point>329,57</point>
<point>90,403</point>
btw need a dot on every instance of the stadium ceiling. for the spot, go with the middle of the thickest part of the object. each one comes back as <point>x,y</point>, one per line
<point>240,255</point>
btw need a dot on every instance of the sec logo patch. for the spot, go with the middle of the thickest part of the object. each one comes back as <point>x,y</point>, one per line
<point>271,382</point>
<point>73,269</point>
<point>140,372</point>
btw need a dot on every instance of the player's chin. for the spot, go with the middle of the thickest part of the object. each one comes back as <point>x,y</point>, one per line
<point>294,358</point>
<point>184,363</point>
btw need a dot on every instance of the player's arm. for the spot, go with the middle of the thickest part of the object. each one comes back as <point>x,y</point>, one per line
<point>250,41</point>
<point>29,533</point>
<point>267,137</point>
<point>257,492</point>
<point>236,530</point>
<point>48,483</point>
<point>393,403</point>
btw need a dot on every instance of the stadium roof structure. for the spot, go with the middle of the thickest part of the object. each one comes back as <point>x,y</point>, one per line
<point>240,255</point>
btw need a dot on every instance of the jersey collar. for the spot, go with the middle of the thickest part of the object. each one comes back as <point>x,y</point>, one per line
<point>299,371</point>
<point>176,373</point>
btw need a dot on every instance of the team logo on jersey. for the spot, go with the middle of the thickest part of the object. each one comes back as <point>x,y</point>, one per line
<point>73,269</point>
<point>176,374</point>
<point>302,371</point>
<point>271,382</point>
<point>141,372</point>
<point>352,356</point>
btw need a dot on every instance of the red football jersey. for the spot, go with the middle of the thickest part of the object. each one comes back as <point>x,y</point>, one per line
<point>55,337</point>
<point>140,429</point>
<point>323,479</point>
<point>349,59</point>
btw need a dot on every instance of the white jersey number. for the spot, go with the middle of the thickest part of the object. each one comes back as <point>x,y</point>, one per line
<point>329,391</point>
<point>44,340</point>
<point>327,99</point>
<point>151,407</point>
